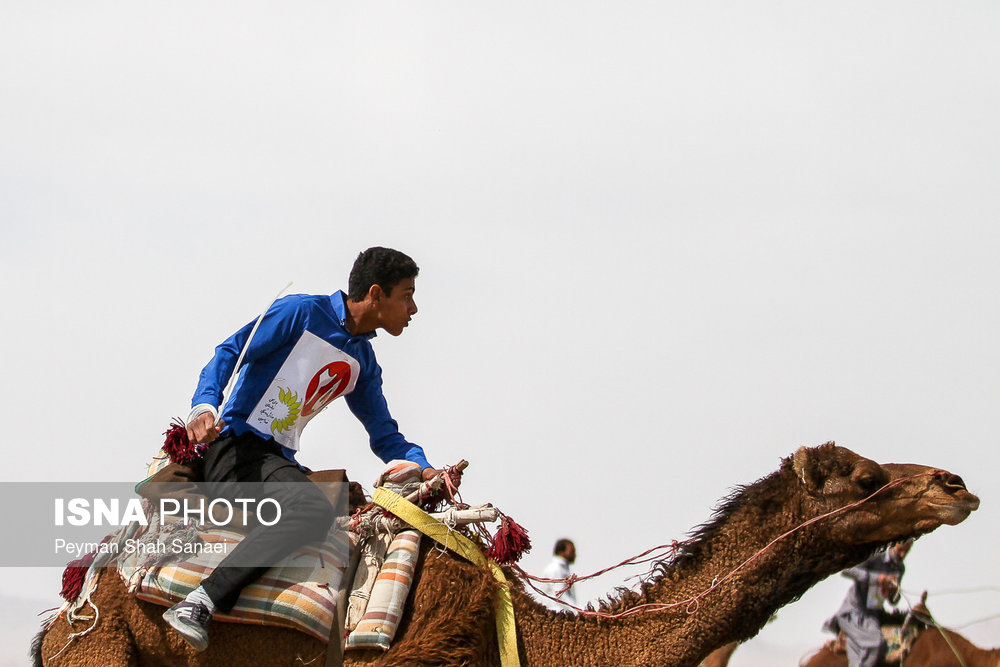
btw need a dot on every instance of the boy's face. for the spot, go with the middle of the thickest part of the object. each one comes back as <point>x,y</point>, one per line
<point>396,310</point>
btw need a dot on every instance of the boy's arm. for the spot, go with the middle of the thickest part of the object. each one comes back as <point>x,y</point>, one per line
<point>276,327</point>
<point>369,406</point>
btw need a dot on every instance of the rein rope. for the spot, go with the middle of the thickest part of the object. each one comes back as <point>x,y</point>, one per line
<point>693,603</point>
<point>929,616</point>
<point>964,591</point>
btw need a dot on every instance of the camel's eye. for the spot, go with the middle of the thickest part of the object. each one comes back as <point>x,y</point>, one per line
<point>869,484</point>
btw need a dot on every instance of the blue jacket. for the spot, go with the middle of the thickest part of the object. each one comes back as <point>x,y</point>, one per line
<point>300,359</point>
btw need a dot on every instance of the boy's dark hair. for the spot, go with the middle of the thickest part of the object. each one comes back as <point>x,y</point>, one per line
<point>384,267</point>
<point>561,547</point>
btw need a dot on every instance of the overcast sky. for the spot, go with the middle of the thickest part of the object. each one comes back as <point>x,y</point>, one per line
<point>662,245</point>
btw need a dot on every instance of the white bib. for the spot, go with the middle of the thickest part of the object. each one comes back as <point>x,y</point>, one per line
<point>314,374</point>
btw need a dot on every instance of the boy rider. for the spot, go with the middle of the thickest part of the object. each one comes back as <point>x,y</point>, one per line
<point>307,351</point>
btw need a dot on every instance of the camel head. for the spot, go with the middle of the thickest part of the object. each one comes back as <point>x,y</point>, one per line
<point>909,500</point>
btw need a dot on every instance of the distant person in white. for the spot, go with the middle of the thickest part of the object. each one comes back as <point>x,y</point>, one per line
<point>558,568</point>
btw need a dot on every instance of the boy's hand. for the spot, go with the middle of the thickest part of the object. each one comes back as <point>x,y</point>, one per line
<point>203,430</point>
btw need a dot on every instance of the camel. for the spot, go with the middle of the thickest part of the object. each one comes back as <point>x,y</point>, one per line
<point>721,656</point>
<point>450,620</point>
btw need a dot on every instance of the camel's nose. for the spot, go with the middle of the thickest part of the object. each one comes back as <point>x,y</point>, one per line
<point>954,486</point>
<point>952,483</point>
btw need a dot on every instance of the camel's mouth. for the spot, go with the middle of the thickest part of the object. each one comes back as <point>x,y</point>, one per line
<point>959,503</point>
<point>914,516</point>
<point>934,487</point>
<point>956,510</point>
<point>929,498</point>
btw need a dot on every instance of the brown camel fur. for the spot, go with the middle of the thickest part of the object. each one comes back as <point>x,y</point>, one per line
<point>934,649</point>
<point>720,656</point>
<point>450,621</point>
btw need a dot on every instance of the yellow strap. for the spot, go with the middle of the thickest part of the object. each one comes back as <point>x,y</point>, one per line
<point>463,546</point>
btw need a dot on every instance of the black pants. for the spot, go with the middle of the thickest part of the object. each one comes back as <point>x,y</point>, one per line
<point>306,513</point>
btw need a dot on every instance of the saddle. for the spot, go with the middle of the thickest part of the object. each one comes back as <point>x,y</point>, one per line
<point>359,577</point>
<point>361,573</point>
<point>177,481</point>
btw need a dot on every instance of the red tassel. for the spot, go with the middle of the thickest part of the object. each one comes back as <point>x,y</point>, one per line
<point>178,446</point>
<point>510,543</point>
<point>74,576</point>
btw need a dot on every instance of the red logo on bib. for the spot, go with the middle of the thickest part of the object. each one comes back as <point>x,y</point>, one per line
<point>329,383</point>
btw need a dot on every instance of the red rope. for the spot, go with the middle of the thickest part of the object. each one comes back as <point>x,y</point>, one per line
<point>959,591</point>
<point>694,602</point>
<point>450,487</point>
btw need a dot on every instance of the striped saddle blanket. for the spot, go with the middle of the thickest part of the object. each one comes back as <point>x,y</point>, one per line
<point>302,592</point>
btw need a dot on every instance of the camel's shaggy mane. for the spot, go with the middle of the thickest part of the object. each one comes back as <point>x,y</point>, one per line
<point>768,497</point>
<point>692,549</point>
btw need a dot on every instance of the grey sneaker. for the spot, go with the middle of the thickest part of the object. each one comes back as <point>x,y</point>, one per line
<point>191,619</point>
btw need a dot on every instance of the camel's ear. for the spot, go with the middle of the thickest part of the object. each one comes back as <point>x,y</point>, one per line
<point>806,468</point>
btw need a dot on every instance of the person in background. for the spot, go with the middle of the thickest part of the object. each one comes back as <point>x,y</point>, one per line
<point>861,615</point>
<point>563,555</point>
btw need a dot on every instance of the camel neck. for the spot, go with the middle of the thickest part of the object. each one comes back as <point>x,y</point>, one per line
<point>734,609</point>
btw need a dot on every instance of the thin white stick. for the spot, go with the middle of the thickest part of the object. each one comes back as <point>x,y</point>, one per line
<point>246,346</point>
